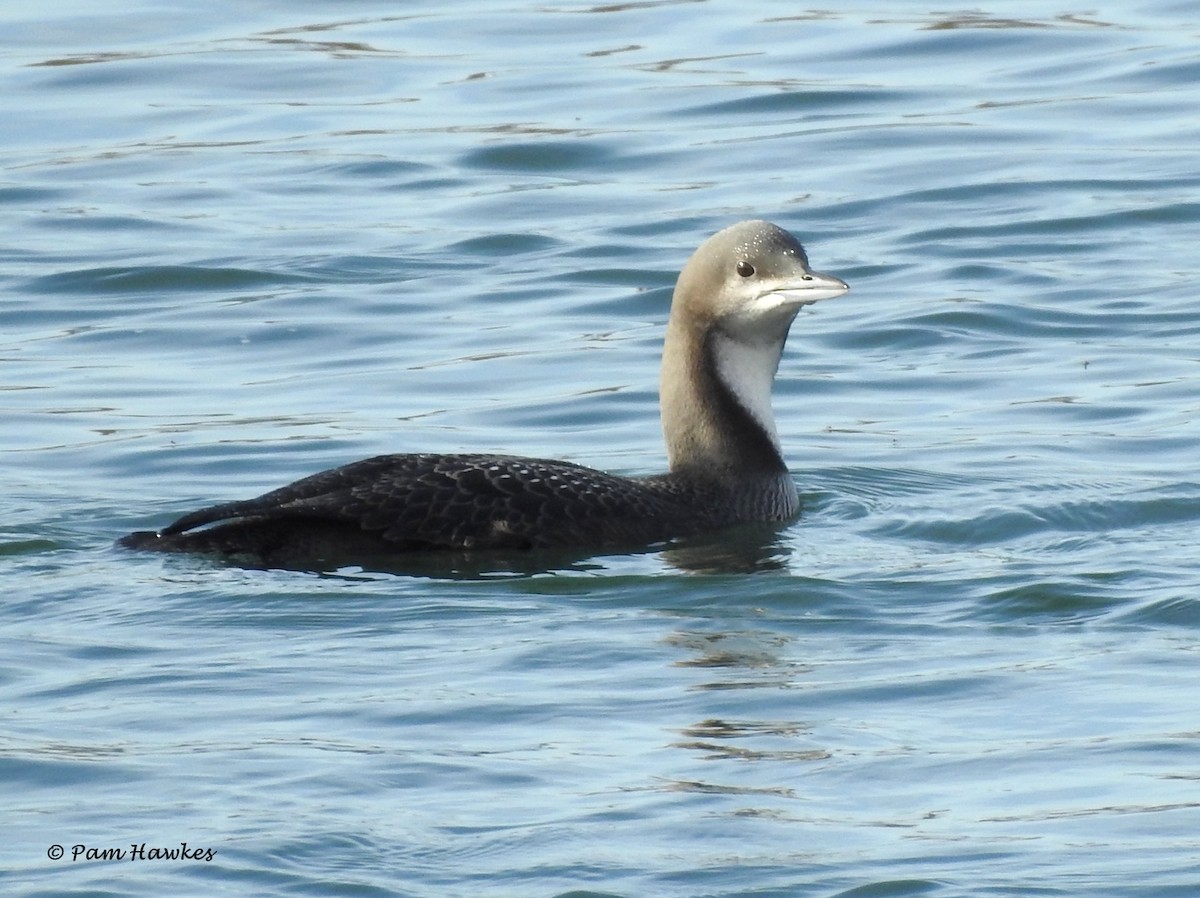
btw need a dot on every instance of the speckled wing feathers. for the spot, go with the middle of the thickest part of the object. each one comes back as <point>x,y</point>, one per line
<point>468,502</point>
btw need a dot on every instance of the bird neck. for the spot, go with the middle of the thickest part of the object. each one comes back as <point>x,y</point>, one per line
<point>716,405</point>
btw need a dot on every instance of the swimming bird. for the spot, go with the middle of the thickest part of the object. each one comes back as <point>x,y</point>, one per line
<point>731,310</point>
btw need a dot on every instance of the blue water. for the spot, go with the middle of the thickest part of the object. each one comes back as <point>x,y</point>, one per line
<point>241,242</point>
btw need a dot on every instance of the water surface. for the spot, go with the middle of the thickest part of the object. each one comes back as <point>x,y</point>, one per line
<point>243,243</point>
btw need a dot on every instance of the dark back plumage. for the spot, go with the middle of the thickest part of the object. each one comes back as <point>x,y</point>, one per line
<point>421,501</point>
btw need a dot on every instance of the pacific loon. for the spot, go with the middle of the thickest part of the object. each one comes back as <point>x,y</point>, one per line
<point>732,307</point>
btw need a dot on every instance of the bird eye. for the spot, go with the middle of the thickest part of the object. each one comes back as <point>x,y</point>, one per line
<point>745,269</point>
<point>806,277</point>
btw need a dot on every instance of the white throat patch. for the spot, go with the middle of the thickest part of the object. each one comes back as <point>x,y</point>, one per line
<point>748,371</point>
